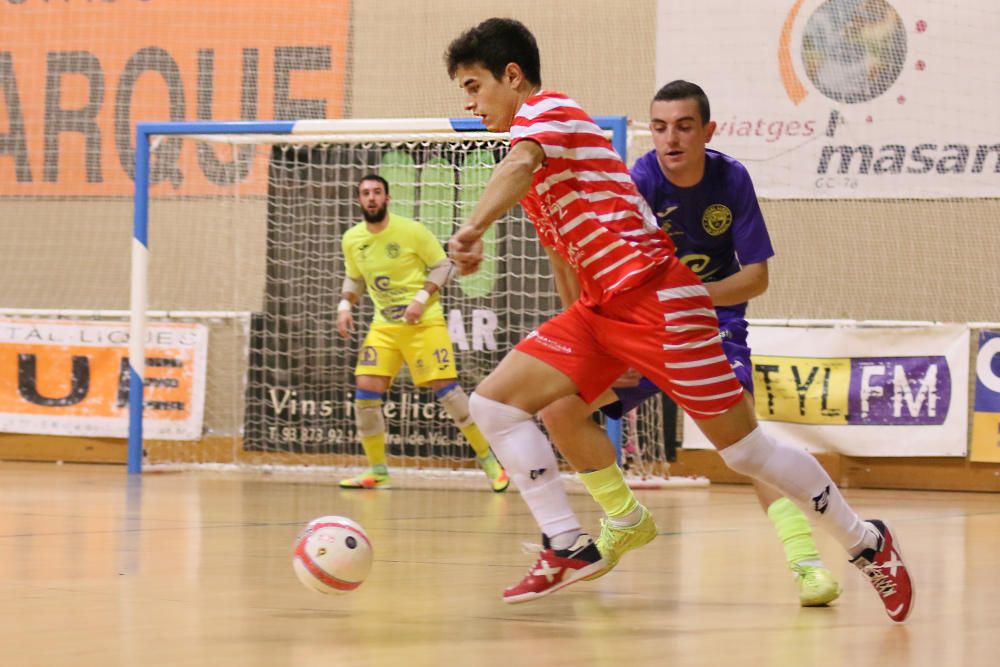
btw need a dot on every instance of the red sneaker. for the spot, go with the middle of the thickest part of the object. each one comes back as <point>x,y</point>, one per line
<point>557,569</point>
<point>887,573</point>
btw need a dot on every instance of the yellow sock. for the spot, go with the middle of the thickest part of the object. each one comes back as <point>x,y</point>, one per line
<point>793,531</point>
<point>608,488</point>
<point>476,439</point>
<point>374,445</point>
<point>374,449</point>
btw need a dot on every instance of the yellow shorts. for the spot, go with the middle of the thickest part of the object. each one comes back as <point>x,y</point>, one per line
<point>426,349</point>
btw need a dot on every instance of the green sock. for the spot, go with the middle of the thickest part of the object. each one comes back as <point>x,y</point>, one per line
<point>793,531</point>
<point>609,489</point>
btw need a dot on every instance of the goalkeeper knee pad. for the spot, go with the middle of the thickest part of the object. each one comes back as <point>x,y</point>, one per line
<point>456,404</point>
<point>368,414</point>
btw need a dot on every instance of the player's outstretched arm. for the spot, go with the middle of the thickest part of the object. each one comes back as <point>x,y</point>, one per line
<point>509,183</point>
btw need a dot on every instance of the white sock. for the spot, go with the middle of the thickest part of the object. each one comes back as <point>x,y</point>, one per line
<point>627,521</point>
<point>526,454</point>
<point>564,541</point>
<point>802,479</point>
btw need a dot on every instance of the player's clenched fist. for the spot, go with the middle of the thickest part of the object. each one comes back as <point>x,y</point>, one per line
<point>466,249</point>
<point>413,312</point>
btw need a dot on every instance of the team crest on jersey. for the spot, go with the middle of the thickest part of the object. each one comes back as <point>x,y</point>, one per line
<point>716,219</point>
<point>393,249</point>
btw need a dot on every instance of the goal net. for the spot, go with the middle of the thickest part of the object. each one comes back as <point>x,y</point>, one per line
<point>244,234</point>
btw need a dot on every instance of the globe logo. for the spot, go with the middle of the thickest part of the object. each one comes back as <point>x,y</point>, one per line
<point>853,50</point>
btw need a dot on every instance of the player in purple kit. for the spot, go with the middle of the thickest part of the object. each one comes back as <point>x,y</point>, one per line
<point>706,202</point>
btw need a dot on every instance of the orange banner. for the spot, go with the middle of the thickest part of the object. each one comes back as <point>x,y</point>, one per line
<point>72,378</point>
<point>76,75</point>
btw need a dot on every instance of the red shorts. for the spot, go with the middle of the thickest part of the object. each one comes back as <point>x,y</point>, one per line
<point>666,329</point>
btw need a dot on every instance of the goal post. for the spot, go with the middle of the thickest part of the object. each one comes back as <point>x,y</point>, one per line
<point>302,175</point>
<point>139,289</point>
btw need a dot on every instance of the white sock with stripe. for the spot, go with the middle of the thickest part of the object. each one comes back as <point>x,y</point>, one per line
<point>803,480</point>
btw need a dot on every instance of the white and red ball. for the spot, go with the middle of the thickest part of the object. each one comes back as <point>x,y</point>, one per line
<point>333,555</point>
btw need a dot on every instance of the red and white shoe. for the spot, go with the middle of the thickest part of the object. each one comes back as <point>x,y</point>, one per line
<point>887,573</point>
<point>557,569</point>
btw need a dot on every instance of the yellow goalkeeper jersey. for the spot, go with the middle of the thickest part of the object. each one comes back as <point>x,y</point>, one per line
<point>393,263</point>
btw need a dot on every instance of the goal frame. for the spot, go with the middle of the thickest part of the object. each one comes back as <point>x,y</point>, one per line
<point>314,130</point>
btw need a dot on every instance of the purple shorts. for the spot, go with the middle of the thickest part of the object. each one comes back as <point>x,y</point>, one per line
<point>734,344</point>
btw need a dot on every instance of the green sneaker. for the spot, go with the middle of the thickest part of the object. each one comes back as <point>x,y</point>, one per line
<point>614,541</point>
<point>817,587</point>
<point>370,479</point>
<point>498,476</point>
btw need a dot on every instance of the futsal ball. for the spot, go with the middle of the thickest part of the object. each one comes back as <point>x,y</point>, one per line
<point>333,555</point>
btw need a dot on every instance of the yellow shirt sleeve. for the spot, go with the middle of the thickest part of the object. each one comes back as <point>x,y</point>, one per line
<point>427,247</point>
<point>350,266</point>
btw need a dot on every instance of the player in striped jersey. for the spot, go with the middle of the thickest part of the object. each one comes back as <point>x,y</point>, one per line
<point>706,203</point>
<point>638,307</point>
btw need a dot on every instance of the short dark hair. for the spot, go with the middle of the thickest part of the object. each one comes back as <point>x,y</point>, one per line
<point>685,90</point>
<point>494,44</point>
<point>374,177</point>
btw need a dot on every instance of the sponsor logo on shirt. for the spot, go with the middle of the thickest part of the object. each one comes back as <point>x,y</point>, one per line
<point>393,312</point>
<point>716,219</point>
<point>381,283</point>
<point>700,265</point>
<point>663,219</point>
<point>552,205</point>
<point>662,215</point>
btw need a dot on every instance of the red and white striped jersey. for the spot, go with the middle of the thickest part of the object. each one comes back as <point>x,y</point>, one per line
<point>583,201</point>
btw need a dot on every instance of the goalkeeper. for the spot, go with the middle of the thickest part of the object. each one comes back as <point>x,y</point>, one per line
<point>402,267</point>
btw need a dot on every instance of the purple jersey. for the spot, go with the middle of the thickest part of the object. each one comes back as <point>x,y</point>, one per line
<point>716,225</point>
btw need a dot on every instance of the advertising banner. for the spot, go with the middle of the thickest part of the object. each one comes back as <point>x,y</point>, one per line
<point>845,98</point>
<point>75,77</point>
<point>861,392</point>
<point>62,377</point>
<point>986,405</point>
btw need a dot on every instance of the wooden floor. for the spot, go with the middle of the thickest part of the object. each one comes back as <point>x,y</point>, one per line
<point>194,568</point>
